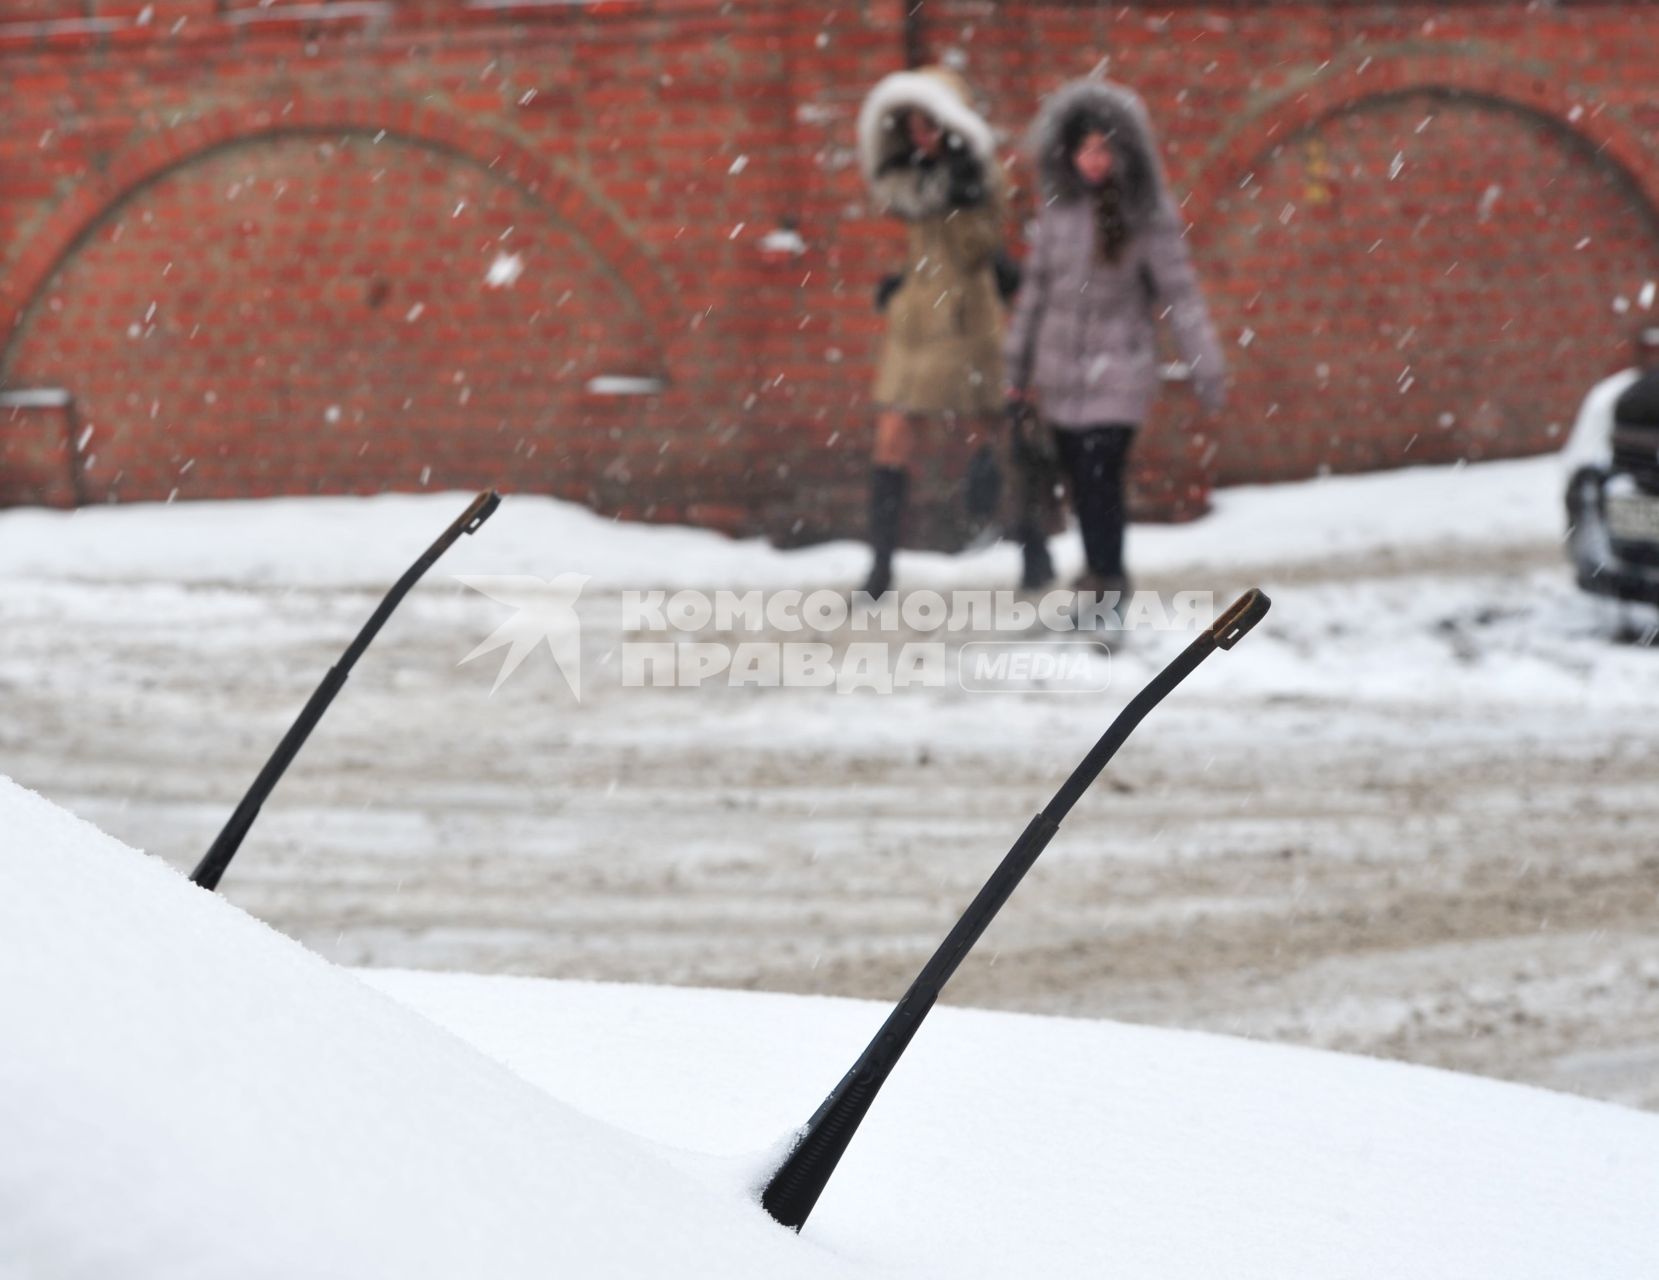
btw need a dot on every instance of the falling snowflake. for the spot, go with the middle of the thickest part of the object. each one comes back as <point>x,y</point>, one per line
<point>504,271</point>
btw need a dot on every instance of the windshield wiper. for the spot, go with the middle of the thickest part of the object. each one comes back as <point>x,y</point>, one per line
<point>794,1189</point>
<point>212,867</point>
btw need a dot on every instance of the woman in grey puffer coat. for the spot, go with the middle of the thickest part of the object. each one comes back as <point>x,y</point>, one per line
<point>1106,259</point>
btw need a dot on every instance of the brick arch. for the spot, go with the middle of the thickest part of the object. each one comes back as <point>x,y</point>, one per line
<point>102,192</point>
<point>295,376</point>
<point>1344,87</point>
<point>1383,322</point>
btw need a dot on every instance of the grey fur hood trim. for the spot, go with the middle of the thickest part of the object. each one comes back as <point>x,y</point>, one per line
<point>1119,112</point>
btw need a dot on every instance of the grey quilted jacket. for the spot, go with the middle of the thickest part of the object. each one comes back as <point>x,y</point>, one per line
<point>1083,333</point>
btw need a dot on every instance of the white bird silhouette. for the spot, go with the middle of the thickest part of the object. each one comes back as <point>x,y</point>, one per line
<point>546,610</point>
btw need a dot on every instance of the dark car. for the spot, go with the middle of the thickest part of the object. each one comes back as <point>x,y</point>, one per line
<point>1613,491</point>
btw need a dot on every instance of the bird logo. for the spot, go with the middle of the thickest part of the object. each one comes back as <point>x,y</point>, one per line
<point>544,611</point>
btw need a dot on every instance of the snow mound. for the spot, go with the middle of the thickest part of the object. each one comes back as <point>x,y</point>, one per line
<point>341,541</point>
<point>184,1092</point>
<point>1014,1145</point>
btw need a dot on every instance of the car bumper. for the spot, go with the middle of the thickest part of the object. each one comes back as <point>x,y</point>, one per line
<point>1621,568</point>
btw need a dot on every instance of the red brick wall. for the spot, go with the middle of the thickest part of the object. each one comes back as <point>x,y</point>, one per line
<point>254,240</point>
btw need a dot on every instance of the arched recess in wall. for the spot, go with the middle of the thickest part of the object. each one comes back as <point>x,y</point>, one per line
<point>1435,271</point>
<point>328,303</point>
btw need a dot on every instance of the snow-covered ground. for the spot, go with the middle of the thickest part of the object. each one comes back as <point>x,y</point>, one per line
<point>367,542</point>
<point>186,1092</point>
<point>1412,815</point>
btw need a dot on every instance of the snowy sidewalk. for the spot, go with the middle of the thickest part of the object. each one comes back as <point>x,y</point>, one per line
<point>1413,815</point>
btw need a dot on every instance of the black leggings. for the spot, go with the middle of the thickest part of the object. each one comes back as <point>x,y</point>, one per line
<point>1094,460</point>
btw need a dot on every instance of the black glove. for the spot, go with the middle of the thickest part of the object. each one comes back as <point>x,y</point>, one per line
<point>1009,275</point>
<point>886,287</point>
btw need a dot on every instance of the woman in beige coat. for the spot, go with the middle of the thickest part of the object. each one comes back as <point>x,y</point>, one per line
<point>930,161</point>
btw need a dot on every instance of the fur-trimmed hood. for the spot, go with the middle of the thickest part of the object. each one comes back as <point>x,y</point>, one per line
<point>1118,112</point>
<point>908,190</point>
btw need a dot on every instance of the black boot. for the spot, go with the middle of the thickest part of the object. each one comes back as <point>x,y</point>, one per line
<point>982,498</point>
<point>1038,570</point>
<point>888,486</point>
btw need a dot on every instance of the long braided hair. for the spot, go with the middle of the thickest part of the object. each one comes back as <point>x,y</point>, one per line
<point>1111,218</point>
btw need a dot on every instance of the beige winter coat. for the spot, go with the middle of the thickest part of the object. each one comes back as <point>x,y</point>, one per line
<point>942,352</point>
